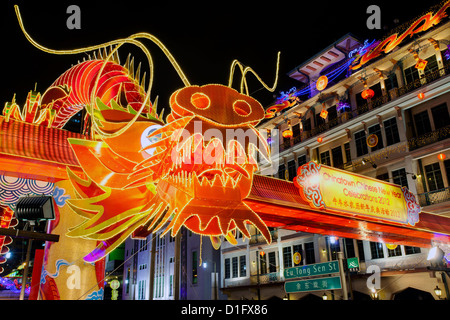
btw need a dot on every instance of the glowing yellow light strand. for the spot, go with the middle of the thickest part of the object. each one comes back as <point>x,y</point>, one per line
<point>117,44</point>
<point>249,69</point>
<point>110,43</point>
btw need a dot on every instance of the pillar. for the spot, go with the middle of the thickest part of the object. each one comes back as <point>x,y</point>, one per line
<point>65,275</point>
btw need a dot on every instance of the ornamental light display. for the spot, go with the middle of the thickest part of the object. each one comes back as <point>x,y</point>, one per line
<point>143,173</point>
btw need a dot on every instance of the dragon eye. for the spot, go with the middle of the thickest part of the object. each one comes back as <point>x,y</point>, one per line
<point>242,108</point>
<point>200,100</point>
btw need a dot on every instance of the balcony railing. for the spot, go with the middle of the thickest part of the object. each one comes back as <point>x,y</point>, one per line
<point>265,278</point>
<point>370,105</point>
<point>259,238</point>
<point>434,197</point>
<point>429,138</point>
<point>252,280</point>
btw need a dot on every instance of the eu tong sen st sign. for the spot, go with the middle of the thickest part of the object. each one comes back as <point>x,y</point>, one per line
<point>312,270</point>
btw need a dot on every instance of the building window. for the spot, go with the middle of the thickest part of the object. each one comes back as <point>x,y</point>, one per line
<point>411,74</point>
<point>447,169</point>
<point>235,267</point>
<point>227,268</point>
<point>296,130</point>
<point>272,262</point>
<point>262,263</point>
<point>440,116</point>
<point>360,244</point>
<point>361,144</point>
<point>360,101</point>
<point>291,170</point>
<point>411,250</point>
<point>376,129</point>
<point>310,256</point>
<point>349,248</point>
<point>281,171</point>
<point>432,64</point>
<point>301,160</point>
<point>348,155</point>
<point>335,247</point>
<point>242,266</point>
<point>160,255</point>
<point>338,160</point>
<point>287,257</point>
<point>395,252</point>
<point>332,116</point>
<point>127,281</point>
<point>325,158</point>
<point>383,177</point>
<point>422,123</point>
<point>434,176</point>
<point>143,245</point>
<point>194,267</point>
<point>376,250</point>
<point>391,131</point>
<point>399,177</point>
<point>141,290</point>
<point>391,82</point>
<point>320,123</point>
<point>306,124</point>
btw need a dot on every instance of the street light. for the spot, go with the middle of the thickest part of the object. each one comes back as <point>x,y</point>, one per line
<point>33,209</point>
<point>364,161</point>
<point>438,292</point>
<point>374,294</point>
<point>325,297</point>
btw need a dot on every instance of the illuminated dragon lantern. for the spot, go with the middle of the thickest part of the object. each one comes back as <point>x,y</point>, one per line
<point>143,174</point>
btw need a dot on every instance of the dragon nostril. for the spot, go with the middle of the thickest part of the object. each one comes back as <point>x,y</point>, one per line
<point>200,100</point>
<point>242,108</point>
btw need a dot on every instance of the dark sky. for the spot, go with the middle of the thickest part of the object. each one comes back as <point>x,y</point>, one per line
<point>204,37</point>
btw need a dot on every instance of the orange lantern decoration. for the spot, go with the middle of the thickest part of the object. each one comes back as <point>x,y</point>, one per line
<point>421,64</point>
<point>372,140</point>
<point>288,133</point>
<point>442,156</point>
<point>421,95</point>
<point>324,113</point>
<point>321,83</point>
<point>367,94</point>
<point>319,139</point>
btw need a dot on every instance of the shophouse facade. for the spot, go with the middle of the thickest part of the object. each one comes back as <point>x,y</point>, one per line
<point>408,115</point>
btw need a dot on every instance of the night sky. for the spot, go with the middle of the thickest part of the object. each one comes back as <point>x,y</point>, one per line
<point>204,37</point>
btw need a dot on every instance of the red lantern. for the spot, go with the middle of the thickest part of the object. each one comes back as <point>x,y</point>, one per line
<point>319,139</point>
<point>288,133</point>
<point>421,95</point>
<point>367,94</point>
<point>441,156</point>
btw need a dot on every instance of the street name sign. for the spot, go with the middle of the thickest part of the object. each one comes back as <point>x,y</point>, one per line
<point>317,284</point>
<point>312,270</point>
